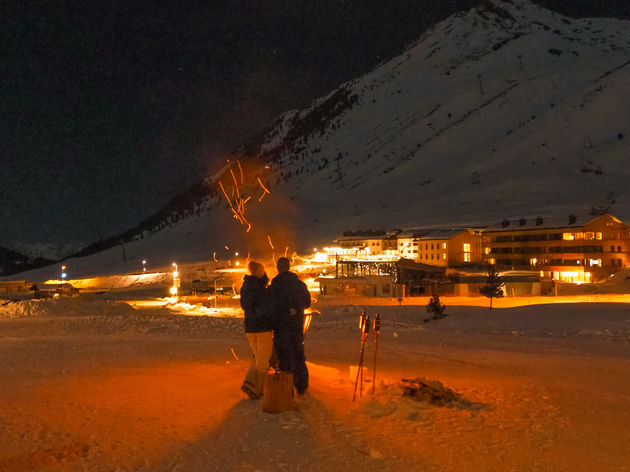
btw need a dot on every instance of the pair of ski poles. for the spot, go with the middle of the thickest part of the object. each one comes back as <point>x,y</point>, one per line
<point>364,326</point>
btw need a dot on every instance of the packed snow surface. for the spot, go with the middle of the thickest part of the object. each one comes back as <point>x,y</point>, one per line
<point>91,384</point>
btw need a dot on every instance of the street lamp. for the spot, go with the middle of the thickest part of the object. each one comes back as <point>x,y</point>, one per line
<point>176,281</point>
<point>63,272</point>
<point>144,268</point>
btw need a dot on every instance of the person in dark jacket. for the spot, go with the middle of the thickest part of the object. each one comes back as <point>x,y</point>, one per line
<point>288,297</point>
<point>258,328</point>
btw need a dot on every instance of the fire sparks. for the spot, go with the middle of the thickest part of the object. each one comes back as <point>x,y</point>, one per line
<point>240,191</point>
<point>234,353</point>
<point>240,203</point>
<point>236,200</point>
<point>241,169</point>
<point>265,190</point>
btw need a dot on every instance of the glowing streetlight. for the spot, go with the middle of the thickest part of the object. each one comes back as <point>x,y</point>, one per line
<point>144,263</point>
<point>176,281</point>
<point>63,272</point>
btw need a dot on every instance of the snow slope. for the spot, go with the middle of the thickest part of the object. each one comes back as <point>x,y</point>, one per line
<point>506,111</point>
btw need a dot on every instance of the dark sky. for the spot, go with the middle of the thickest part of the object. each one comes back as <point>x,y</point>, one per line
<point>110,108</point>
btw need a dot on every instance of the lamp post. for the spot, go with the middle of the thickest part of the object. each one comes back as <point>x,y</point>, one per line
<point>144,268</point>
<point>176,281</point>
<point>63,272</point>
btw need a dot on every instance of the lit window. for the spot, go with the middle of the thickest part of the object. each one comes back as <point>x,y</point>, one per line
<point>598,235</point>
<point>443,245</point>
<point>568,236</point>
<point>466,247</point>
<point>444,256</point>
<point>466,257</point>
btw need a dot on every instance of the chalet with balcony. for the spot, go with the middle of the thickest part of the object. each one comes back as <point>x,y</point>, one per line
<point>577,249</point>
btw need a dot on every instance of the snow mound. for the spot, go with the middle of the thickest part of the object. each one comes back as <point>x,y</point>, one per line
<point>63,307</point>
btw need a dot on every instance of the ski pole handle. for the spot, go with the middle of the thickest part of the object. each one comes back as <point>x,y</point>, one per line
<point>362,319</point>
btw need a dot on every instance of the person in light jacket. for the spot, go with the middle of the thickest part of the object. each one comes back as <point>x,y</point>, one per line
<point>258,328</point>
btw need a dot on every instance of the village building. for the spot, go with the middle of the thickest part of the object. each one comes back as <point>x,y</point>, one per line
<point>389,279</point>
<point>399,263</point>
<point>442,248</point>
<point>368,243</point>
<point>576,249</point>
<point>436,247</point>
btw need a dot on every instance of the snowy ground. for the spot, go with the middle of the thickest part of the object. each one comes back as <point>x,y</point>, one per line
<point>94,385</point>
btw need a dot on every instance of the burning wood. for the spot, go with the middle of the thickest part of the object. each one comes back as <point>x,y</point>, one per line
<point>431,391</point>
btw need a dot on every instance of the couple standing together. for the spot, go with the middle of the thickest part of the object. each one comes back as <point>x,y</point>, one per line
<point>274,324</point>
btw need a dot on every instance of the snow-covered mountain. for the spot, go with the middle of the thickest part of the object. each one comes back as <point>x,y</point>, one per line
<point>12,262</point>
<point>504,111</point>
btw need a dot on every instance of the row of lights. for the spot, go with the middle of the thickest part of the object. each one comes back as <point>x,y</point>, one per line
<point>176,280</point>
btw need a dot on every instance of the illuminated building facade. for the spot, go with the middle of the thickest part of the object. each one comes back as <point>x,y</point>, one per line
<point>436,247</point>
<point>442,248</point>
<point>577,249</point>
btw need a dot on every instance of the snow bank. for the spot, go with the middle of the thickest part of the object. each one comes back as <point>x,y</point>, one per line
<point>62,307</point>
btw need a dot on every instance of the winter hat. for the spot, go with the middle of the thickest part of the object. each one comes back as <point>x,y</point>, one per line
<point>256,269</point>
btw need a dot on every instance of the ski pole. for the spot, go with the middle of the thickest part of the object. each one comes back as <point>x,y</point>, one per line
<point>365,338</point>
<point>363,320</point>
<point>377,330</point>
<point>362,329</point>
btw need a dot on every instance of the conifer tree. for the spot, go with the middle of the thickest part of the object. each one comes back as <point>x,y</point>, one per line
<point>492,288</point>
<point>435,308</point>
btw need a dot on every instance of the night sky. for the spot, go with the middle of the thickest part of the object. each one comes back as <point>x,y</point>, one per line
<point>110,108</point>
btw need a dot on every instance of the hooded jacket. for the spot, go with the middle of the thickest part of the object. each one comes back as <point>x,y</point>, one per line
<point>288,297</point>
<point>254,301</point>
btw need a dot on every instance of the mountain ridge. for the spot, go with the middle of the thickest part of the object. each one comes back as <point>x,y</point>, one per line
<point>502,81</point>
